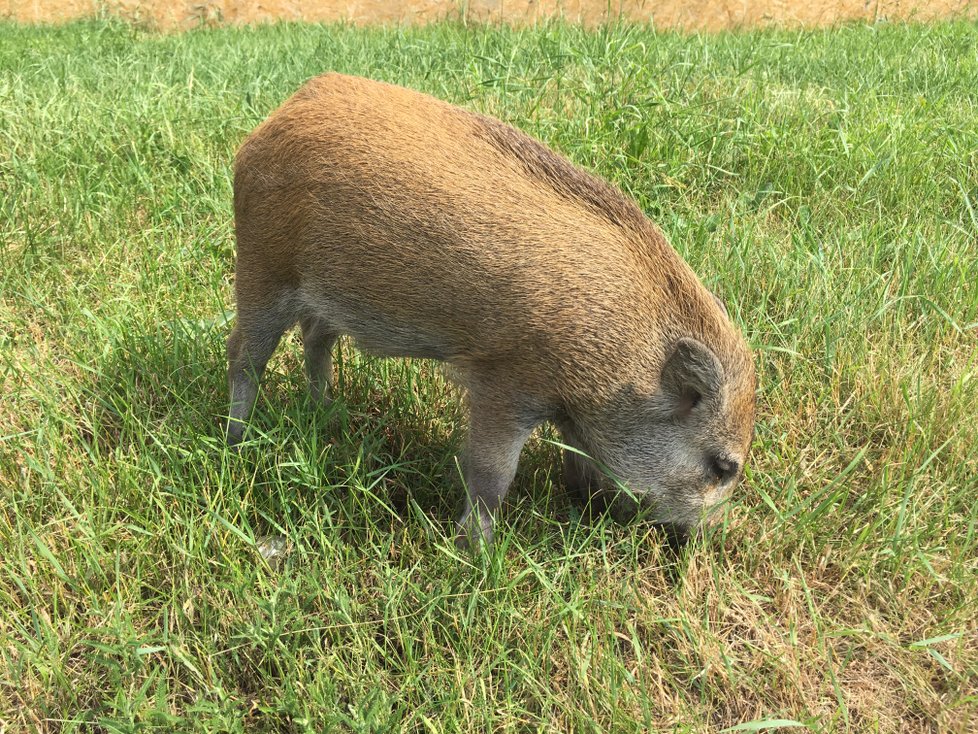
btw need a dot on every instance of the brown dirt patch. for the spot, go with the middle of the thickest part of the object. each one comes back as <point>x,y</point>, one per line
<point>688,14</point>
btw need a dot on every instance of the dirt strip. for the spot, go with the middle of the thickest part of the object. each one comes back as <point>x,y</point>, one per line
<point>687,14</point>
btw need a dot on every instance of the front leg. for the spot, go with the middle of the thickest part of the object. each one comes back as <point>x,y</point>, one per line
<point>582,479</point>
<point>496,438</point>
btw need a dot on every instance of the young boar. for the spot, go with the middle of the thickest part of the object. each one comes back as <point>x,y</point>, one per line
<point>424,230</point>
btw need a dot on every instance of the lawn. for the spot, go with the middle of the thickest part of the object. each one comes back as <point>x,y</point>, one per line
<point>823,183</point>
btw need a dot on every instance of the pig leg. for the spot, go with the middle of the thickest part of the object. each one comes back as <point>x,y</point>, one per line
<point>581,477</point>
<point>249,348</point>
<point>317,344</point>
<point>489,464</point>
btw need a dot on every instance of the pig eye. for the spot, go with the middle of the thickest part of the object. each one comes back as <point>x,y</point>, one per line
<point>723,468</point>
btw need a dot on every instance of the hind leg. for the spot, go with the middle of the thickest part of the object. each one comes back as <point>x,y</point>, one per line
<point>317,344</point>
<point>249,348</point>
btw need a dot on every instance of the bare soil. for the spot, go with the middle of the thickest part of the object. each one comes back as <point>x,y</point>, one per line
<point>687,14</point>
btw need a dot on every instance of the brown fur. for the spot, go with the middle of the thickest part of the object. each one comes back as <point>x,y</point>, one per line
<point>422,229</point>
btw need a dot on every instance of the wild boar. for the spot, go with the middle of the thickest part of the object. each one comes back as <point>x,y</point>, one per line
<point>422,229</point>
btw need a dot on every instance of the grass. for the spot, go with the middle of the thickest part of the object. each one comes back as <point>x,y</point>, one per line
<point>825,184</point>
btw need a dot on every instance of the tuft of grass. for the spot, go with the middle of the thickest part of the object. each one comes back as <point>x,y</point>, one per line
<point>824,183</point>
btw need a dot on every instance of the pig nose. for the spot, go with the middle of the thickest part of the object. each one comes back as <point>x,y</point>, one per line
<point>724,468</point>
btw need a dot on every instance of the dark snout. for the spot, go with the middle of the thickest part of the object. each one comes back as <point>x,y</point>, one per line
<point>676,536</point>
<point>627,509</point>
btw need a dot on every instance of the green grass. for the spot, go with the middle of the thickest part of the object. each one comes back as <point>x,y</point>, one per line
<point>825,184</point>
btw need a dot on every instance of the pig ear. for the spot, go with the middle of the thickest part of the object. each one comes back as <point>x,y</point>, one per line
<point>720,303</point>
<point>691,373</point>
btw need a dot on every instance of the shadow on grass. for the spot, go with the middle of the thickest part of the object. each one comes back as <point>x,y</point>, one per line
<point>162,396</point>
<point>384,449</point>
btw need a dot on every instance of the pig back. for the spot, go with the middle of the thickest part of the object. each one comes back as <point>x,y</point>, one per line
<point>388,207</point>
